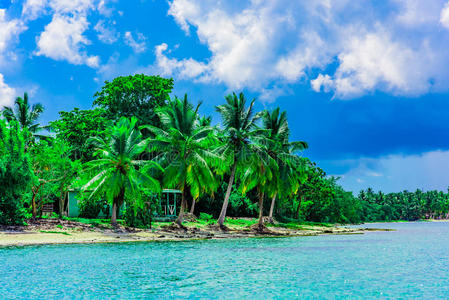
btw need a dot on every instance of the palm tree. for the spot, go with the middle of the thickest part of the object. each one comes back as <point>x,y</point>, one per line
<point>25,115</point>
<point>239,124</point>
<point>260,172</point>
<point>286,181</point>
<point>185,149</point>
<point>118,170</point>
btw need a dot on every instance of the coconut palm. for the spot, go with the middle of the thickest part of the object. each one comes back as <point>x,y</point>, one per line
<point>239,123</point>
<point>286,181</point>
<point>260,172</point>
<point>185,149</point>
<point>118,172</point>
<point>25,114</point>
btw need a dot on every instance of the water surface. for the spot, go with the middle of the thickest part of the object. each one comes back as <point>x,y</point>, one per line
<point>412,262</point>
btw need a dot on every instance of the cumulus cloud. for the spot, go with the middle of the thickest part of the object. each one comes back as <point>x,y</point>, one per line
<point>416,13</point>
<point>444,18</point>
<point>63,39</point>
<point>9,32</point>
<point>138,45</point>
<point>32,9</point>
<point>181,10</point>
<point>335,45</point>
<point>322,82</point>
<point>7,93</point>
<point>376,62</point>
<point>186,68</point>
<point>71,6</point>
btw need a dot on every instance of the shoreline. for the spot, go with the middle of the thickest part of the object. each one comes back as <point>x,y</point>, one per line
<point>52,233</point>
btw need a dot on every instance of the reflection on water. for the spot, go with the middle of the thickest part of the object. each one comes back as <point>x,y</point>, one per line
<point>411,262</point>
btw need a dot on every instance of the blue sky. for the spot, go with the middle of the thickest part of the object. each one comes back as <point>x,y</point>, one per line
<point>365,83</point>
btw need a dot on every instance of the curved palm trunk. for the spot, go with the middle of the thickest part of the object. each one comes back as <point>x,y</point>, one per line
<point>115,206</point>
<point>114,213</point>
<point>222,216</point>
<point>192,208</point>
<point>261,195</point>
<point>273,200</point>
<point>180,218</point>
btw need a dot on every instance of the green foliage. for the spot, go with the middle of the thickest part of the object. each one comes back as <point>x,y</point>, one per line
<point>118,172</point>
<point>138,217</point>
<point>134,96</point>
<point>54,172</point>
<point>205,217</point>
<point>185,149</point>
<point>26,116</point>
<point>403,206</point>
<point>77,126</point>
<point>90,207</point>
<point>247,162</point>
<point>241,205</point>
<point>15,173</point>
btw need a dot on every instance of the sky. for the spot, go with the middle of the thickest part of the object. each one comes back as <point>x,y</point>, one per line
<point>365,83</point>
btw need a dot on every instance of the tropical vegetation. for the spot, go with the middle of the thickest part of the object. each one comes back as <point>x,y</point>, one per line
<point>138,139</point>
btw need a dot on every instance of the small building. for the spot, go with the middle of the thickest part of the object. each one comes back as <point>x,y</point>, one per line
<point>169,203</point>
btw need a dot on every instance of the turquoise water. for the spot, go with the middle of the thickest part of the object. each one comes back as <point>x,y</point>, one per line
<point>412,262</point>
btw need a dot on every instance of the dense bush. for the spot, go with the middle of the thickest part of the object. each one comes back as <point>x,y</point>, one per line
<point>15,174</point>
<point>91,207</point>
<point>139,217</point>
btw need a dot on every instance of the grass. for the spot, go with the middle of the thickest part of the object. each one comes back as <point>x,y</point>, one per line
<point>204,222</point>
<point>240,222</point>
<point>58,232</point>
<point>102,223</point>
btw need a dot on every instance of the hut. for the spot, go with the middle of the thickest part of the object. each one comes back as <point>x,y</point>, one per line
<point>169,202</point>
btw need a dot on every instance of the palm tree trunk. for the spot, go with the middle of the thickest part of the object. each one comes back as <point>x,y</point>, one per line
<point>118,200</point>
<point>35,190</point>
<point>192,208</point>
<point>261,195</point>
<point>273,200</point>
<point>222,216</point>
<point>181,210</point>
<point>61,201</point>
<point>299,207</point>
<point>114,213</point>
<point>33,204</point>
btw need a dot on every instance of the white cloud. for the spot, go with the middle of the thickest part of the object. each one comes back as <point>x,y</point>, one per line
<point>138,45</point>
<point>415,13</point>
<point>241,43</point>
<point>71,6</point>
<point>324,83</point>
<point>396,49</point>
<point>32,9</point>
<point>7,93</point>
<point>9,30</point>
<point>103,9</point>
<point>181,10</point>
<point>63,39</point>
<point>444,17</point>
<point>186,68</point>
<point>106,33</point>
<point>375,61</point>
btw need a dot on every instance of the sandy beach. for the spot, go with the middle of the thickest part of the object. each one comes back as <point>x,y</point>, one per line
<point>69,232</point>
